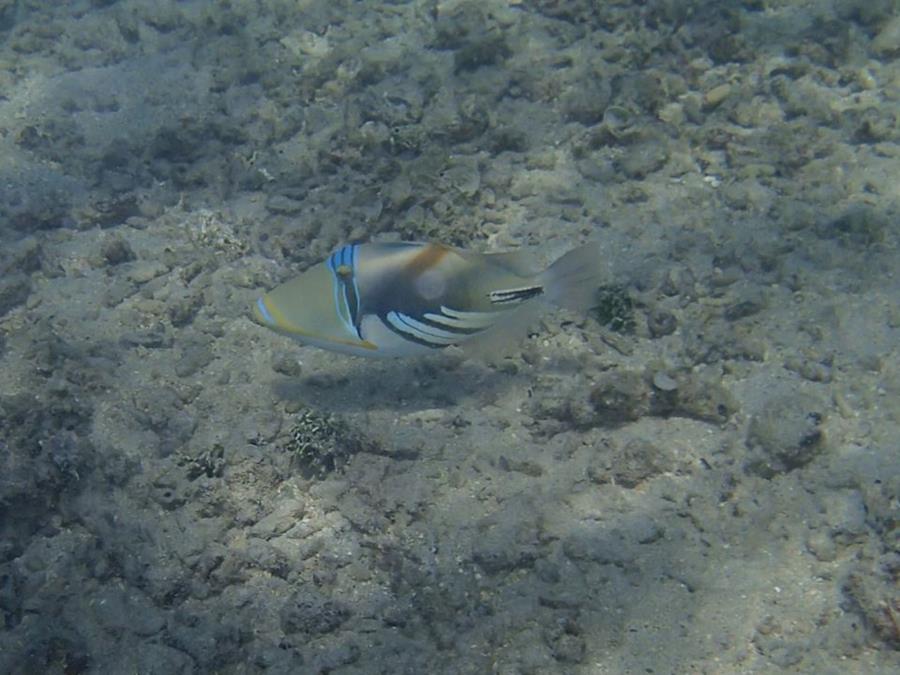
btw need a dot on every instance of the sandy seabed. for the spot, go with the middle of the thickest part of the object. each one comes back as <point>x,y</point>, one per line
<point>702,475</point>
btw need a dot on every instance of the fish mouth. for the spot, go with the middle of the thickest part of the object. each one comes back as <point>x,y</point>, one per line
<point>270,318</point>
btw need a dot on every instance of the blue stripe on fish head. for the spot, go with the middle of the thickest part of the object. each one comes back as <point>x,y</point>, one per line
<point>342,264</point>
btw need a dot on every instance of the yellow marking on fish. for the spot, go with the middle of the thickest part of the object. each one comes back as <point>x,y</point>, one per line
<point>287,327</point>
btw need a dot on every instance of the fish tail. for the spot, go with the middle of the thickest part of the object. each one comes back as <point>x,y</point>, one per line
<point>572,280</point>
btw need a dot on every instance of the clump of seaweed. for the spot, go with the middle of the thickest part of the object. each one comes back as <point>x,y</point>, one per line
<point>614,309</point>
<point>321,444</point>
<point>209,462</point>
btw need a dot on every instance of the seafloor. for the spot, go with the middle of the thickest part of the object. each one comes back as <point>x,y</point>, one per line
<point>701,476</point>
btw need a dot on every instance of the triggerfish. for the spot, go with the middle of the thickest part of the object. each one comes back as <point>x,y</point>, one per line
<point>405,298</point>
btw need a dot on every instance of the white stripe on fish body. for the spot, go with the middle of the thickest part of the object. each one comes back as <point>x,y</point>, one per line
<point>468,322</point>
<point>514,295</point>
<point>390,342</point>
<point>423,332</point>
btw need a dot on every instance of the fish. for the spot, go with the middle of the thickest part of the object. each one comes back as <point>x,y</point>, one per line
<point>397,299</point>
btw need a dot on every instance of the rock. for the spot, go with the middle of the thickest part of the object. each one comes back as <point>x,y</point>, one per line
<point>672,113</point>
<point>549,572</point>
<point>330,660</point>
<point>183,310</point>
<point>587,102</point>
<point>644,88</point>
<point>308,611</point>
<point>193,358</point>
<point>661,322</point>
<point>679,280</point>
<point>629,466</point>
<point>154,337</point>
<point>566,642</point>
<point>496,557</point>
<point>664,382</point>
<point>644,158</point>
<point>601,546</point>
<point>24,256</point>
<point>261,427</point>
<point>483,51</point>
<point>283,205</point>
<point>525,467</point>
<point>721,342</point>
<point>620,396</point>
<point>232,570</point>
<point>119,609</point>
<point>845,513</point>
<point>785,435</point>
<point>872,125</point>
<point>264,556</point>
<point>116,251</point>
<point>887,42</point>
<point>463,176</point>
<point>822,546</point>
<point>156,659</point>
<point>716,95</point>
<point>861,225</point>
<point>812,369</point>
<point>287,363</point>
<point>697,396</point>
<point>279,659</point>
<point>644,530</point>
<point>870,591</point>
<point>14,291</point>
<point>169,492</point>
<point>279,521</point>
<point>748,306</point>
<point>143,271</point>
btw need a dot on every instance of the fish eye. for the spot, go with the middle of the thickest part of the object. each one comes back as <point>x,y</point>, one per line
<point>344,271</point>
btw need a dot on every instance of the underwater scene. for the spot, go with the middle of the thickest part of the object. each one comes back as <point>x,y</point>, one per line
<point>449,336</point>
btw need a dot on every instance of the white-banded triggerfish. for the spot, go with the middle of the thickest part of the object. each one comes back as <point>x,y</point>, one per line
<point>406,298</point>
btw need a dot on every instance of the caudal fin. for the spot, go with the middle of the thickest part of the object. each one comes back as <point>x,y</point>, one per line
<point>572,280</point>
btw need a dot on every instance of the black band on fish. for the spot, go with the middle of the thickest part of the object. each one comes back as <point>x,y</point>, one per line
<point>513,295</point>
<point>462,324</point>
<point>417,331</point>
<point>342,264</point>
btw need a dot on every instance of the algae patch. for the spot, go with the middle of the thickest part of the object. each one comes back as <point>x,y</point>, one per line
<point>320,444</point>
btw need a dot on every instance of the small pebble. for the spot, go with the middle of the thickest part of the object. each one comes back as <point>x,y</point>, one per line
<point>142,272</point>
<point>716,95</point>
<point>888,39</point>
<point>664,382</point>
<point>117,251</point>
<point>821,546</point>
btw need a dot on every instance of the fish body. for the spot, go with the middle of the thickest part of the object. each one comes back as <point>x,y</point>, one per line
<point>407,298</point>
